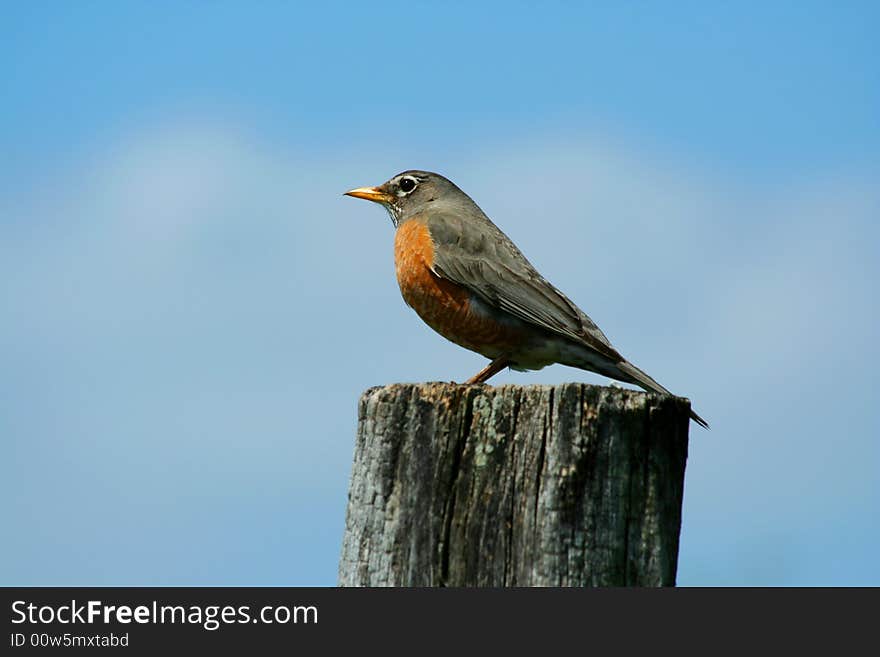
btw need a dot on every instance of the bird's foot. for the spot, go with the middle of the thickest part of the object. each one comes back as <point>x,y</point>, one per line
<point>489,371</point>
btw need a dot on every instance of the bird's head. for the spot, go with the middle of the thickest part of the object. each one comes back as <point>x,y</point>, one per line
<point>412,192</point>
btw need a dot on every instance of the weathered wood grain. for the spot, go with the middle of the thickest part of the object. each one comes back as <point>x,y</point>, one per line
<point>568,485</point>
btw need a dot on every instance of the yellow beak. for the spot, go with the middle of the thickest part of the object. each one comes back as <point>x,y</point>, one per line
<point>374,194</point>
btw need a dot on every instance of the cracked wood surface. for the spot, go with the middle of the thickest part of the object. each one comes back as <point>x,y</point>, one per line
<point>567,485</point>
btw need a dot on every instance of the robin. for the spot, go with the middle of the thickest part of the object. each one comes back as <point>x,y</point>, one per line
<point>469,282</point>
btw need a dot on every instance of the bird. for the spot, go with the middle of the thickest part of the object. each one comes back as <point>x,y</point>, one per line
<point>469,282</point>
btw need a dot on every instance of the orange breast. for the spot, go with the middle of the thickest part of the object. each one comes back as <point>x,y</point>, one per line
<point>443,305</point>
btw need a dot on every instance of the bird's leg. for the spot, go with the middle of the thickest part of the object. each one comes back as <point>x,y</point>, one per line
<point>490,370</point>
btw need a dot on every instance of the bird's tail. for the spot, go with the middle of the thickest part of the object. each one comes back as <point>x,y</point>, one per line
<point>634,375</point>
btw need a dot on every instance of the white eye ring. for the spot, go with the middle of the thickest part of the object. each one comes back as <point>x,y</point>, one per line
<point>406,185</point>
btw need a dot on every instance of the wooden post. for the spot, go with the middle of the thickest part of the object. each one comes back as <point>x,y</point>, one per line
<point>567,485</point>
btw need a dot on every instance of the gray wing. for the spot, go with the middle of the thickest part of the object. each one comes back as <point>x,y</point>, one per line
<point>478,256</point>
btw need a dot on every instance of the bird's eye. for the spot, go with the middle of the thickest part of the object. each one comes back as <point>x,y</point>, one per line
<point>407,185</point>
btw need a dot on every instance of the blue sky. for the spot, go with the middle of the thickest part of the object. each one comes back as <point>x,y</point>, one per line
<point>191,309</point>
